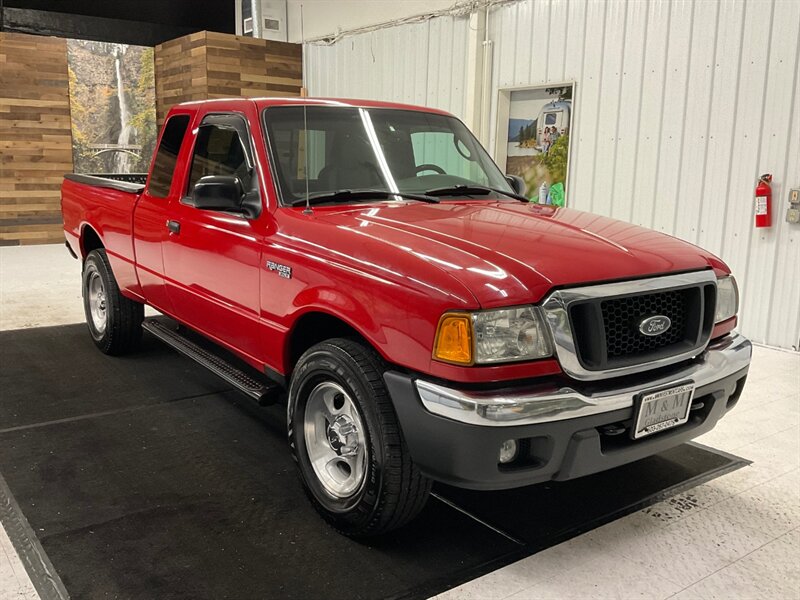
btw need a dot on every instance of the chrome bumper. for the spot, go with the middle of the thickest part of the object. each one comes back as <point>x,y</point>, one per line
<point>544,405</point>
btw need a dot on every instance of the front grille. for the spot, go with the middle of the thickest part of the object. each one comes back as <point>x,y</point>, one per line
<point>621,318</point>
<point>606,330</point>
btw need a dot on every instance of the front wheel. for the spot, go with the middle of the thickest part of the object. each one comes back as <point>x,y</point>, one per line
<point>114,321</point>
<point>346,440</point>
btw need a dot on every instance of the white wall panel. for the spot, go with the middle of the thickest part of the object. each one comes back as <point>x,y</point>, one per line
<point>629,122</point>
<point>323,18</point>
<point>680,105</point>
<point>699,92</point>
<point>644,166</point>
<point>773,149</point>
<point>419,63</point>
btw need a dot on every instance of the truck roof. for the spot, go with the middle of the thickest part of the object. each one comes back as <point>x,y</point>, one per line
<point>262,103</point>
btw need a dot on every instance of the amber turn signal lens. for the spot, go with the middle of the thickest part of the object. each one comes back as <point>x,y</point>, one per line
<point>454,339</point>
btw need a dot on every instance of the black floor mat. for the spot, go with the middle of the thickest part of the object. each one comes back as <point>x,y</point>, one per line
<point>541,514</point>
<point>144,477</point>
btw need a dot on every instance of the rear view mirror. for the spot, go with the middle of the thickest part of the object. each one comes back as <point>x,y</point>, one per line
<point>517,184</point>
<point>218,192</point>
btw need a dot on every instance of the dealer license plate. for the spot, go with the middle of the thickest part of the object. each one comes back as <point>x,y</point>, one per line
<point>662,410</point>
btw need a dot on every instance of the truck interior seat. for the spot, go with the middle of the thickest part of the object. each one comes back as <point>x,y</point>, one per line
<point>353,165</point>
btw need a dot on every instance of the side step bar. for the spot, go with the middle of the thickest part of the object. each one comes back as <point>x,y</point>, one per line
<point>262,392</point>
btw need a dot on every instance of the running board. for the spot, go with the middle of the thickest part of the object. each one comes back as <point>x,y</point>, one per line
<point>262,392</point>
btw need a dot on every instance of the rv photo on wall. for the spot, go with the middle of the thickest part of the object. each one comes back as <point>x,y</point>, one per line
<point>538,141</point>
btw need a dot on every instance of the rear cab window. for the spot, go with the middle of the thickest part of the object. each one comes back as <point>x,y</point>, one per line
<point>167,156</point>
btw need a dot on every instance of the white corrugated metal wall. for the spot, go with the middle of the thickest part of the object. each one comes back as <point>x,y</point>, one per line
<point>680,106</point>
<point>420,63</point>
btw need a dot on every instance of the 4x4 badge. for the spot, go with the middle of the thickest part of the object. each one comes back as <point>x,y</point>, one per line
<point>655,325</point>
<point>282,270</point>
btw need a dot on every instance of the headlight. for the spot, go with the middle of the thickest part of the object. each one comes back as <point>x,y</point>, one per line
<point>727,299</point>
<point>492,336</point>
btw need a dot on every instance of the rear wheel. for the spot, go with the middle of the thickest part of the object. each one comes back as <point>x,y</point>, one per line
<point>347,442</point>
<point>114,321</point>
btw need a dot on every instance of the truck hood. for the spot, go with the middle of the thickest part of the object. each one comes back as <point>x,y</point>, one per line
<point>510,253</point>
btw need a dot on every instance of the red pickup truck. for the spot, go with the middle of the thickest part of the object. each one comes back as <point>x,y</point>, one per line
<point>368,264</point>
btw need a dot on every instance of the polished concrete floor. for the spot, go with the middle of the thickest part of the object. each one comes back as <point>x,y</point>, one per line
<point>737,536</point>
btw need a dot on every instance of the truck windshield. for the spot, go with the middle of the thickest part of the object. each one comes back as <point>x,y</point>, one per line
<point>345,152</point>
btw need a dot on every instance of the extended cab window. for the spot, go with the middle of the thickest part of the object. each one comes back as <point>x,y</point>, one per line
<point>167,156</point>
<point>219,150</point>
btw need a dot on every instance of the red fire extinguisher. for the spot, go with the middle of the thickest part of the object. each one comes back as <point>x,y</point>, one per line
<point>764,201</point>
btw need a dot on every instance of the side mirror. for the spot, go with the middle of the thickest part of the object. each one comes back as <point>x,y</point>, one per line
<point>218,192</point>
<point>517,184</point>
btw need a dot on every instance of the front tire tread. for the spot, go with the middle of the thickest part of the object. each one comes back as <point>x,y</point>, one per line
<point>403,489</point>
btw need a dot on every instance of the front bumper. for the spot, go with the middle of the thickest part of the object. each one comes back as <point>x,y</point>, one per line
<point>455,435</point>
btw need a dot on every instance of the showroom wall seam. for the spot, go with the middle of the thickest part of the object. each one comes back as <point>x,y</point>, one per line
<point>619,104</point>
<point>639,111</point>
<point>685,102</point>
<point>597,121</point>
<point>733,121</point>
<point>760,128</point>
<point>710,103</point>
<point>661,117</point>
<point>794,122</point>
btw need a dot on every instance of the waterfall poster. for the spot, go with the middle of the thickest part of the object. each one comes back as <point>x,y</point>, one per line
<point>539,121</point>
<point>112,105</point>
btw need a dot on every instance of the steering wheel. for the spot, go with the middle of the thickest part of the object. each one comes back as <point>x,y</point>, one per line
<point>429,167</point>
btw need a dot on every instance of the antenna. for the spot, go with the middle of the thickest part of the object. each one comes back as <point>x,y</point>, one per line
<point>303,89</point>
<point>304,94</point>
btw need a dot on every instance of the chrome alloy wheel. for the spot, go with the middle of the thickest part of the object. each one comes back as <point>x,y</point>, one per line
<point>335,439</point>
<point>97,301</point>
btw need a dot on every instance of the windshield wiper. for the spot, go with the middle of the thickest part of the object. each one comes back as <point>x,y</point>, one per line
<point>361,195</point>
<point>472,190</point>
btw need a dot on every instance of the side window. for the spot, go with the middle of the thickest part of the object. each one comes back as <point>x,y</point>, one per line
<point>167,156</point>
<point>218,151</point>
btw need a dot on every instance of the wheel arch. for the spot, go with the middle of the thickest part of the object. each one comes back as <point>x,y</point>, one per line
<point>90,240</point>
<point>315,326</point>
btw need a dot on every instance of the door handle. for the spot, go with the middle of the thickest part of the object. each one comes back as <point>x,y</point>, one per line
<point>174,227</point>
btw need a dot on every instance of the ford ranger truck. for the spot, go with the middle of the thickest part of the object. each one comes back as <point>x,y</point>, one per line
<point>368,264</point>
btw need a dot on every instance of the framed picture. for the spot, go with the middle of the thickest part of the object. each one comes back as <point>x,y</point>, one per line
<point>112,105</point>
<point>533,138</point>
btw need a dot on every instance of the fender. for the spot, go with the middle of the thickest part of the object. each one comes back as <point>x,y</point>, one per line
<point>124,268</point>
<point>334,304</point>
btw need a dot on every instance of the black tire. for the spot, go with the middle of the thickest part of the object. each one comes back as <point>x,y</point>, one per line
<point>122,331</point>
<point>393,490</point>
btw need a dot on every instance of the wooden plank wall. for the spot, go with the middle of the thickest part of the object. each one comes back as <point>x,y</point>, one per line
<point>217,65</point>
<point>35,137</point>
<point>180,71</point>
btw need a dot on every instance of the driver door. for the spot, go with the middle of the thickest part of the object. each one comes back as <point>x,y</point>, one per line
<point>212,258</point>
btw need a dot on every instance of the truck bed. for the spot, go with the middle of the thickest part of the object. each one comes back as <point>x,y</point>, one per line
<point>104,205</point>
<point>124,182</point>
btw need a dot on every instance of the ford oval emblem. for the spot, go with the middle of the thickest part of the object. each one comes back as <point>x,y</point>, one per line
<point>655,325</point>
